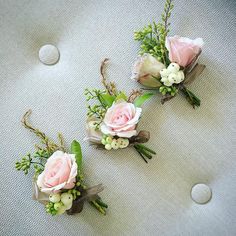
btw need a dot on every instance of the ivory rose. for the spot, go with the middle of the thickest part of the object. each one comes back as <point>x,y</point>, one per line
<point>59,173</point>
<point>121,119</point>
<point>183,50</point>
<point>145,67</point>
<point>93,135</point>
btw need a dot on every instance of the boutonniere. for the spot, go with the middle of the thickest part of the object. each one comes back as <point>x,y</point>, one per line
<point>167,64</point>
<point>58,180</point>
<point>113,118</point>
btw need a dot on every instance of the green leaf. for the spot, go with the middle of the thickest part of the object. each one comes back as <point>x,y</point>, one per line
<point>107,99</point>
<point>121,95</point>
<point>141,99</point>
<point>76,149</point>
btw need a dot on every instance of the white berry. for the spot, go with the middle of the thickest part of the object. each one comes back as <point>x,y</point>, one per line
<point>168,82</point>
<point>172,77</point>
<point>180,76</point>
<point>164,72</point>
<point>68,206</point>
<point>173,68</point>
<point>115,144</point>
<point>123,143</point>
<point>55,197</point>
<point>108,146</point>
<point>66,198</point>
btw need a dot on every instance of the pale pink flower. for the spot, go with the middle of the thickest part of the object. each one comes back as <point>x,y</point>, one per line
<point>183,50</point>
<point>60,173</point>
<point>121,119</point>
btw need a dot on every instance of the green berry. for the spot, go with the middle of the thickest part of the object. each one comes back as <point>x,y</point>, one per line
<point>104,141</point>
<point>109,140</point>
<point>58,205</point>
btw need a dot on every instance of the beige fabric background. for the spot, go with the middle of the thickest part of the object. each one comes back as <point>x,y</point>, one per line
<point>193,145</point>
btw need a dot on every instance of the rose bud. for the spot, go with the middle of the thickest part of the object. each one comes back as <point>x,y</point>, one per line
<point>183,50</point>
<point>146,71</point>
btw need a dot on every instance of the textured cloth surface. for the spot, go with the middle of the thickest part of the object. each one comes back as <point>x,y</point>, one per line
<point>194,146</point>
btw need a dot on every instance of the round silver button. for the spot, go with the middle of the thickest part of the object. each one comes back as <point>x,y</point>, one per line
<point>201,193</point>
<point>49,54</point>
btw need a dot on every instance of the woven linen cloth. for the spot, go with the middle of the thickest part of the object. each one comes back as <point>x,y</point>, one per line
<point>193,146</point>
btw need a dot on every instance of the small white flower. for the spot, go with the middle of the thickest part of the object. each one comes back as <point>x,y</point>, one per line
<point>173,68</point>
<point>55,197</point>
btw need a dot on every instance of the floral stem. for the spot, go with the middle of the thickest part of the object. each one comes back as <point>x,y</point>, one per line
<point>33,162</point>
<point>191,97</point>
<point>98,207</point>
<point>101,203</point>
<point>140,152</point>
<point>146,148</point>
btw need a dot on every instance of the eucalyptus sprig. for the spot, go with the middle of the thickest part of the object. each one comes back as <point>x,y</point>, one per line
<point>153,36</point>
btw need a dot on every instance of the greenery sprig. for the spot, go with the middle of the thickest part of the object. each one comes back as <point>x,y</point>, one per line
<point>153,36</point>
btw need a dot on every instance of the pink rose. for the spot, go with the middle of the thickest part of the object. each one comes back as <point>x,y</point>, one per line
<point>183,50</point>
<point>121,119</point>
<point>59,173</point>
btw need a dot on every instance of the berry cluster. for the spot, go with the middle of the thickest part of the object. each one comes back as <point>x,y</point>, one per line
<point>113,143</point>
<point>172,75</point>
<point>59,203</point>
